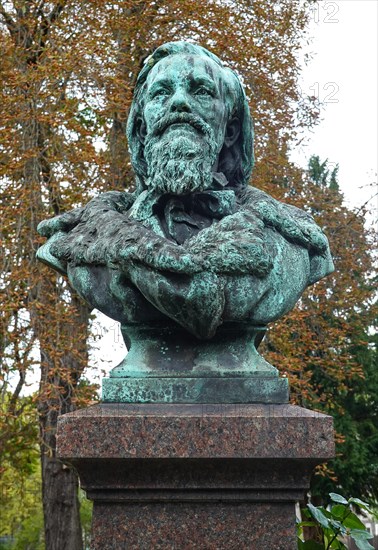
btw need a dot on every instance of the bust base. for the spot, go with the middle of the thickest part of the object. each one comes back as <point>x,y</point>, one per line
<point>169,365</point>
<point>254,389</point>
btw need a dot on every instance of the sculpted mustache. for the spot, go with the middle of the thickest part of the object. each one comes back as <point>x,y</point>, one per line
<point>180,118</point>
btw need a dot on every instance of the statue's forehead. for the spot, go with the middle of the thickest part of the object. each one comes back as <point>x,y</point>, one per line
<point>185,65</point>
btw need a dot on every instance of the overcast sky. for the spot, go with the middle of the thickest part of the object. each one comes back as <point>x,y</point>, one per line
<point>343,74</point>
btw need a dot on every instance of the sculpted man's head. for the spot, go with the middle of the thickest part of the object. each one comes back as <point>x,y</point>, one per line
<point>189,119</point>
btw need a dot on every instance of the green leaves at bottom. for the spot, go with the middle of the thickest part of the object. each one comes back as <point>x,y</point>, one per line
<point>319,514</point>
<point>335,524</point>
<point>363,545</point>
<point>338,498</point>
<point>361,537</point>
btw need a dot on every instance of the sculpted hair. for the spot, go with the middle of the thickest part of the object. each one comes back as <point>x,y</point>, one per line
<point>236,162</point>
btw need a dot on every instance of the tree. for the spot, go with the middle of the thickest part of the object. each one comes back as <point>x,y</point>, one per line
<point>356,420</point>
<point>320,174</point>
<point>43,148</point>
<point>325,344</point>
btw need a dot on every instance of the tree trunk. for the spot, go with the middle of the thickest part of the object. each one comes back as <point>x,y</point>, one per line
<point>57,396</point>
<point>59,494</point>
<point>60,327</point>
<point>121,173</point>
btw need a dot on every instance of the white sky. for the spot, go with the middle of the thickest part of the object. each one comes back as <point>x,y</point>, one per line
<point>344,75</point>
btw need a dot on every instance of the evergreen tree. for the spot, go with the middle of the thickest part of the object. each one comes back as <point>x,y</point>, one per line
<point>320,173</point>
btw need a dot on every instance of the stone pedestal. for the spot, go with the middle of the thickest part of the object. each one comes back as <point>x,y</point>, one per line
<point>194,476</point>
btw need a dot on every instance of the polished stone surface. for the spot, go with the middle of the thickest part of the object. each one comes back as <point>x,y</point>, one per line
<point>194,431</point>
<point>185,527</point>
<point>194,476</point>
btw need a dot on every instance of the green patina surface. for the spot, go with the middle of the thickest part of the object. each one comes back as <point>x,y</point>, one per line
<point>171,352</point>
<point>196,390</point>
<point>195,263</point>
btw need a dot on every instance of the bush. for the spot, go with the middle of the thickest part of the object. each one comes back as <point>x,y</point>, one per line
<point>335,524</point>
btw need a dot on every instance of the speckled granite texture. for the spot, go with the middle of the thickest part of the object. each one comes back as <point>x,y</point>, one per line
<point>194,476</point>
<point>184,527</point>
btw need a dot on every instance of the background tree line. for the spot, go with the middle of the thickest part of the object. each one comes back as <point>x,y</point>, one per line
<point>67,74</point>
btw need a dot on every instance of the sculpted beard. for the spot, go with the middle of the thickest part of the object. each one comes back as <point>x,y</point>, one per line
<point>180,161</point>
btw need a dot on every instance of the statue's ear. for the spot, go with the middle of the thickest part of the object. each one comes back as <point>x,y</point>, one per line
<point>141,129</point>
<point>232,132</point>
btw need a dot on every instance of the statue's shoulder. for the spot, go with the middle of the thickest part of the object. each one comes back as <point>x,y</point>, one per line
<point>292,223</point>
<point>273,212</point>
<point>260,201</point>
<point>120,201</point>
<point>83,220</point>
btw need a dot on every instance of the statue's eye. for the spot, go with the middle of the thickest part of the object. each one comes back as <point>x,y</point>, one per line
<point>203,91</point>
<point>160,92</point>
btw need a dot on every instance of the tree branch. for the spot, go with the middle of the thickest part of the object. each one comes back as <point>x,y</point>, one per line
<point>56,11</point>
<point>9,22</point>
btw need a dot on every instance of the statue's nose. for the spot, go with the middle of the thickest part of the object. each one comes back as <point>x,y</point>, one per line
<point>180,102</point>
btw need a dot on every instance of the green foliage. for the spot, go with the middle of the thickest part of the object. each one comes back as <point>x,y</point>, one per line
<point>356,463</point>
<point>23,525</point>
<point>321,173</point>
<point>20,476</point>
<point>19,433</point>
<point>86,508</point>
<point>355,467</point>
<point>30,534</point>
<point>21,510</point>
<point>21,516</point>
<point>334,524</point>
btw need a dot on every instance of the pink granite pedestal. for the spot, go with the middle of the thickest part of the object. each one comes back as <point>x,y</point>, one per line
<point>194,476</point>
